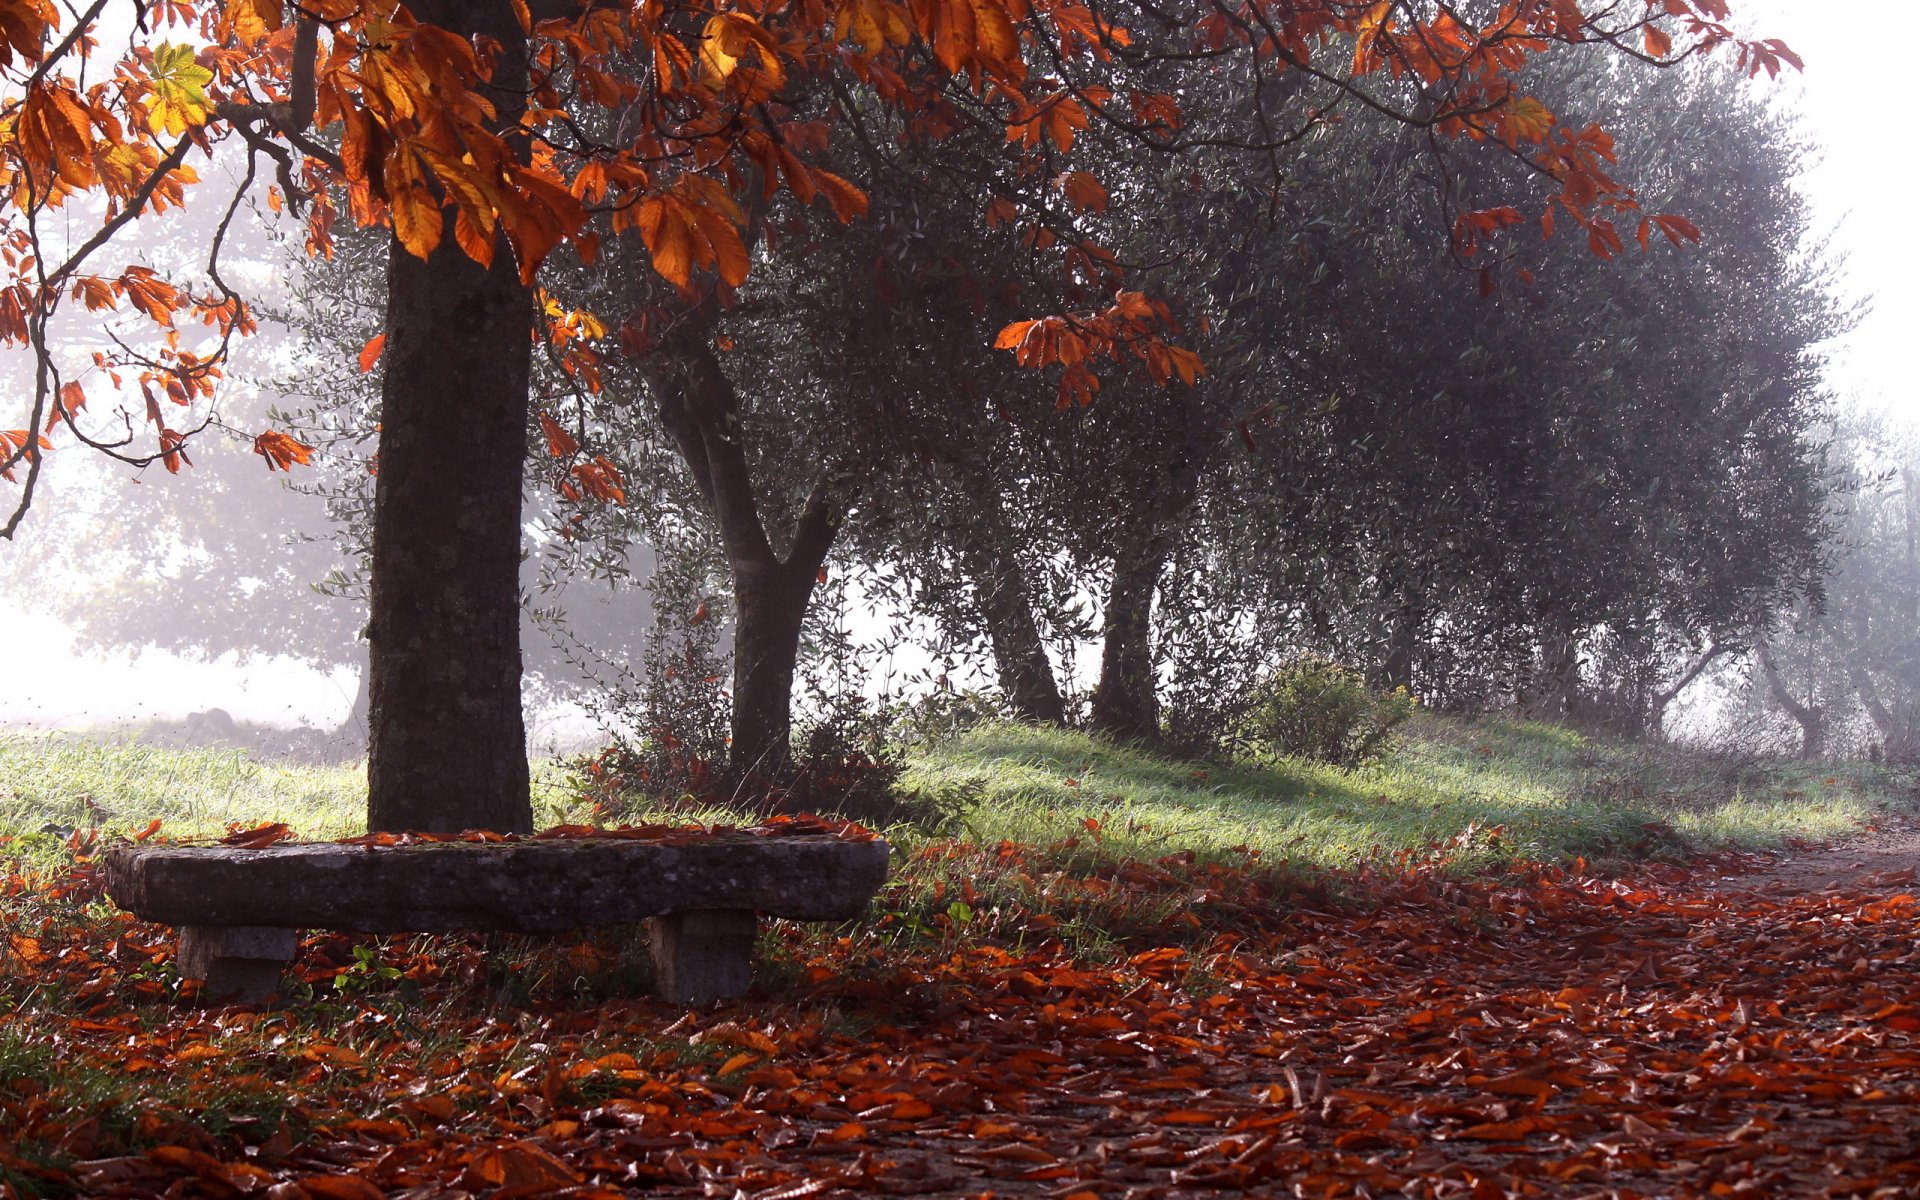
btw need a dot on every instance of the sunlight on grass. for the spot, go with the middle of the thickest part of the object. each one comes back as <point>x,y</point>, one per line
<point>1511,789</point>
<point>1550,792</point>
<point>58,781</point>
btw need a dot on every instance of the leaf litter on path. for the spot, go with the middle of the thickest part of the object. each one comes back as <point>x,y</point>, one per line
<point>1543,1032</point>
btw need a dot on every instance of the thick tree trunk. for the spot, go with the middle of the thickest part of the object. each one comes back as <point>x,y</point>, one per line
<point>1125,704</point>
<point>1006,609</point>
<point>1897,741</point>
<point>699,407</point>
<point>447,744</point>
<point>770,608</point>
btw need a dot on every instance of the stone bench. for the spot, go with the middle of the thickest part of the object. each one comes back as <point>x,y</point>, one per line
<point>240,911</point>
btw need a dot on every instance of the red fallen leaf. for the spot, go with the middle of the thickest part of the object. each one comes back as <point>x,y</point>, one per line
<point>258,837</point>
<point>101,1173</point>
<point>152,827</point>
<point>800,1191</point>
<point>436,1107</point>
<point>181,1156</point>
<point>731,1033</point>
<point>849,1131</point>
<point>518,1165</point>
<point>1515,1084</point>
<point>1504,1131</point>
<point>1187,1116</point>
<point>1015,1152</point>
<point>340,1187</point>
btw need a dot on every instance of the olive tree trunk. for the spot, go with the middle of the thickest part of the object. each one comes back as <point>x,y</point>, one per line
<point>1125,701</point>
<point>1812,718</point>
<point>1006,609</point>
<point>698,407</point>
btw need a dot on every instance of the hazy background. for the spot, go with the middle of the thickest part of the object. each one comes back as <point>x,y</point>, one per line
<point>1853,102</point>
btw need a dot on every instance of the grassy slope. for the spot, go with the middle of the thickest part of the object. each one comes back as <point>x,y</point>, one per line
<point>1496,789</point>
<point>1503,788</point>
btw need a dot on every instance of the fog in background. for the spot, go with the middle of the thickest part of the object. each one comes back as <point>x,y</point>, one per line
<point>208,619</point>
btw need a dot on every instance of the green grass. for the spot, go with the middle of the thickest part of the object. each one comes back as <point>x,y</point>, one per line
<point>1500,789</point>
<point>1054,833</point>
<point>51,782</point>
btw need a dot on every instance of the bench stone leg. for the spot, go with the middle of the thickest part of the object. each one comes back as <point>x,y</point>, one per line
<point>702,956</point>
<point>237,962</point>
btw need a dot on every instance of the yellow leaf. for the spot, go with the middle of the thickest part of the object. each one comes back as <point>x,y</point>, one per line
<point>253,19</point>
<point>179,101</point>
<point>1529,119</point>
<point>955,34</point>
<point>417,220</point>
<point>1084,192</point>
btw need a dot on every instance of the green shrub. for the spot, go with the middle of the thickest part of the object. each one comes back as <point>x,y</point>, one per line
<point>1318,710</point>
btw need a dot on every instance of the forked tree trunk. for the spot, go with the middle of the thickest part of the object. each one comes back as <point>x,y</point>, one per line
<point>1663,699</point>
<point>1006,609</point>
<point>1897,741</point>
<point>770,608</point>
<point>1125,703</point>
<point>699,408</point>
<point>447,745</point>
<point>1811,718</point>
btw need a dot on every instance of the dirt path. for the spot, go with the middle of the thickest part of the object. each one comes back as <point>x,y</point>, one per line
<point>1885,858</point>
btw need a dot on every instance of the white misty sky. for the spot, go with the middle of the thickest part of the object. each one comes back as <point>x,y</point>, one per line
<point>1854,101</point>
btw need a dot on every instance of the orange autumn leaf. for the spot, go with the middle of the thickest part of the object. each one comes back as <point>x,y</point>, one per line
<point>257,836</point>
<point>560,443</point>
<point>519,1165</point>
<point>340,1187</point>
<point>370,353</point>
<point>282,451</point>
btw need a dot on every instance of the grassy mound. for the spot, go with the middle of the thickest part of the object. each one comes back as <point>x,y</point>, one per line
<point>1493,789</point>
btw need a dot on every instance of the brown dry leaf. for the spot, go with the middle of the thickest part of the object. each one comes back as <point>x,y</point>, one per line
<point>519,1165</point>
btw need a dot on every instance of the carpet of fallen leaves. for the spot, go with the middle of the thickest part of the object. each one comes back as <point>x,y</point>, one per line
<point>1542,1032</point>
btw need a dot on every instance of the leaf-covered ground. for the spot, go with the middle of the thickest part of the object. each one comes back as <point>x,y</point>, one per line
<point>1543,1032</point>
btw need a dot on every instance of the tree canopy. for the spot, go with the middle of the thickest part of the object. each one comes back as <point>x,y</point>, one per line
<point>485,137</point>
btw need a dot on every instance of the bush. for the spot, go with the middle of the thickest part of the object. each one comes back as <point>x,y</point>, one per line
<point>1318,710</point>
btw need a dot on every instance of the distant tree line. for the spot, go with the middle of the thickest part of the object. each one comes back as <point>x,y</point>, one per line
<point>1550,478</point>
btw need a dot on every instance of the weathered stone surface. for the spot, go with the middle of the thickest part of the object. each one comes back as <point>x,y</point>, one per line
<point>236,962</point>
<point>701,957</point>
<point>526,887</point>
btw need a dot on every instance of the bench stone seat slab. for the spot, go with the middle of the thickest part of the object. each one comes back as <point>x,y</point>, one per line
<point>522,887</point>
